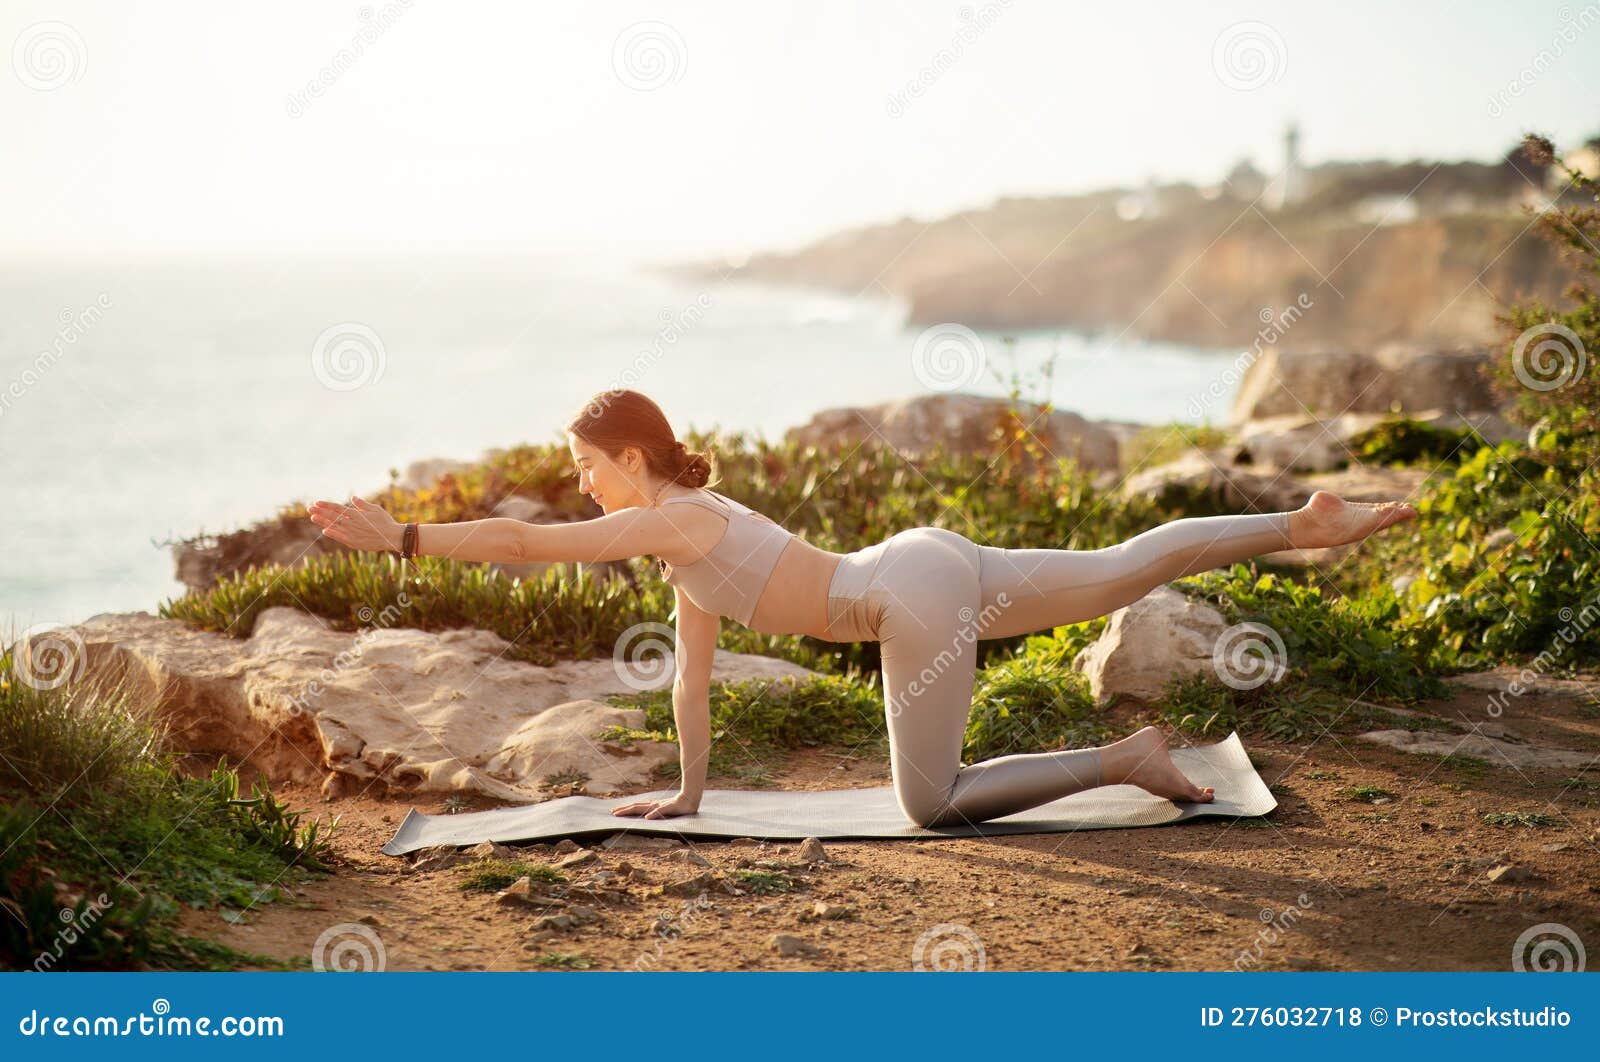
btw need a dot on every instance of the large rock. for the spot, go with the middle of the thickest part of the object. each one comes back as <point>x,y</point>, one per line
<point>395,707</point>
<point>1209,474</point>
<point>1392,380</point>
<point>963,423</point>
<point>1304,443</point>
<point>1161,636</point>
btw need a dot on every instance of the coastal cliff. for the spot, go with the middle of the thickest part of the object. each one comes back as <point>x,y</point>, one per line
<point>1205,274</point>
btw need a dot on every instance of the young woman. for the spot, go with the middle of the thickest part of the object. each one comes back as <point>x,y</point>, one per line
<point>927,594</point>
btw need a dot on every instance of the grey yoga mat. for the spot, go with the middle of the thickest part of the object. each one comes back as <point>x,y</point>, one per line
<point>849,813</point>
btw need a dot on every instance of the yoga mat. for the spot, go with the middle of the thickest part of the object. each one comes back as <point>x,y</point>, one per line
<point>848,813</point>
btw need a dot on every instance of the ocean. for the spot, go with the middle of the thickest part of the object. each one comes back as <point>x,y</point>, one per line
<point>147,400</point>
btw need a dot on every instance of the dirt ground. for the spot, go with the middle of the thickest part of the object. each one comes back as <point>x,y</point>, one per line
<point>1329,881</point>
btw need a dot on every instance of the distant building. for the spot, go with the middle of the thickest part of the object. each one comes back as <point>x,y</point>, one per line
<point>1244,181</point>
<point>1290,185</point>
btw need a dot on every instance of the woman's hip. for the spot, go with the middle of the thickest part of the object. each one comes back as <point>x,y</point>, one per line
<point>896,574</point>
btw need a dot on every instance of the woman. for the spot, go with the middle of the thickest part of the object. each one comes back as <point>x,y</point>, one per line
<point>927,594</point>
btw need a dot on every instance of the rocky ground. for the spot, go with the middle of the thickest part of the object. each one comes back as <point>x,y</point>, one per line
<point>1376,859</point>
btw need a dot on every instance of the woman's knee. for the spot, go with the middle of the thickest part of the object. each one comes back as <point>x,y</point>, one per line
<point>923,805</point>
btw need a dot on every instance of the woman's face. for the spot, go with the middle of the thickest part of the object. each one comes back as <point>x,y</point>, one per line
<point>601,476</point>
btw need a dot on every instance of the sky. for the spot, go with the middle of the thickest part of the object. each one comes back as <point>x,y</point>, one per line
<point>651,131</point>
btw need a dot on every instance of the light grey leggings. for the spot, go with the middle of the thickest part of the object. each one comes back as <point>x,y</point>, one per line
<point>928,594</point>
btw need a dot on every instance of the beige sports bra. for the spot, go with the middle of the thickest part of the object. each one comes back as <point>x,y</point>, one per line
<point>729,579</point>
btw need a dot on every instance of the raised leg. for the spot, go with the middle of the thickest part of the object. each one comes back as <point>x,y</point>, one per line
<point>1027,590</point>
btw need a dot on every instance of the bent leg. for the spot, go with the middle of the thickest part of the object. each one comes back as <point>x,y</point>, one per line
<point>1027,590</point>
<point>928,637</point>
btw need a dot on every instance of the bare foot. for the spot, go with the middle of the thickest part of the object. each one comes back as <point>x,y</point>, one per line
<point>1329,520</point>
<point>1142,759</point>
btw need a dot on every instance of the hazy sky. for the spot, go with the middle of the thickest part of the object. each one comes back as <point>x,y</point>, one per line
<point>660,129</point>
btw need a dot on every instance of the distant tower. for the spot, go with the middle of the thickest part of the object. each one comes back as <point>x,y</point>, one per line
<point>1290,185</point>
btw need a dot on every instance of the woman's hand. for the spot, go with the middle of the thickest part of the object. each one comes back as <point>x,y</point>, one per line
<point>359,525</point>
<point>682,804</point>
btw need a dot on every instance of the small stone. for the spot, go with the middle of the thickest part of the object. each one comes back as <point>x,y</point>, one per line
<point>556,921</point>
<point>689,855</point>
<point>565,845</point>
<point>634,842</point>
<point>336,784</point>
<point>441,857</point>
<point>1509,872</point>
<point>741,842</point>
<point>788,945</point>
<point>766,908</point>
<point>811,851</point>
<point>690,886</point>
<point>832,911</point>
<point>584,913</point>
<point>519,891</point>
<point>1557,846</point>
<point>578,859</point>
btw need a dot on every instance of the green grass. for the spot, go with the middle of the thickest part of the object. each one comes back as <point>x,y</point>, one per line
<point>492,875</point>
<point>105,838</point>
<point>765,882</point>
<point>566,960</point>
<point>1367,794</point>
<point>1523,819</point>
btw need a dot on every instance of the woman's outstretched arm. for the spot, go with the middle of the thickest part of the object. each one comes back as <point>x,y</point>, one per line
<point>364,525</point>
<point>626,533</point>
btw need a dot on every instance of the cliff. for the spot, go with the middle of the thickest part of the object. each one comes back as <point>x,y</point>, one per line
<point>1205,272</point>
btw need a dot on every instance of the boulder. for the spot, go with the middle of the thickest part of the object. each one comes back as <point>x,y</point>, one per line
<point>964,423</point>
<point>1393,379</point>
<point>1210,473</point>
<point>394,707</point>
<point>1161,636</point>
<point>1303,443</point>
<point>420,475</point>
